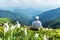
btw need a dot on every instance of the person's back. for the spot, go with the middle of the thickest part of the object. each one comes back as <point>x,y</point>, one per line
<point>36,24</point>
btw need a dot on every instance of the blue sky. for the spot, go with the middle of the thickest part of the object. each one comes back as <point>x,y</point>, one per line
<point>43,4</point>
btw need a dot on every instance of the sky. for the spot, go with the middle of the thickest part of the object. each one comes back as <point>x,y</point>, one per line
<point>44,4</point>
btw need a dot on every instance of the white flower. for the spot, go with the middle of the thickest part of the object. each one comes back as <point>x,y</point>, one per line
<point>46,28</point>
<point>18,24</point>
<point>12,27</point>
<point>25,30</point>
<point>6,29</point>
<point>36,35</point>
<point>45,37</point>
<point>6,25</point>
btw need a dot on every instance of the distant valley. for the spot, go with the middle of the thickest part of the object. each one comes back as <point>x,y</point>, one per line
<point>26,16</point>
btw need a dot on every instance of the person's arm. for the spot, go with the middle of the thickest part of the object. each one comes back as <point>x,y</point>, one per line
<point>41,25</point>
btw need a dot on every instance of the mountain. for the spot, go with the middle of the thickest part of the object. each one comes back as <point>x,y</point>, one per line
<point>28,11</point>
<point>26,14</point>
<point>53,23</point>
<point>49,16</point>
<point>23,19</point>
<point>7,14</point>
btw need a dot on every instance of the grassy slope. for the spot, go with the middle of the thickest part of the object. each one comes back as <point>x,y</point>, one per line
<point>31,34</point>
<point>18,32</point>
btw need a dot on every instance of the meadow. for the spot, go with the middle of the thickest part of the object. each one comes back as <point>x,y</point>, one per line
<point>24,33</point>
<point>13,32</point>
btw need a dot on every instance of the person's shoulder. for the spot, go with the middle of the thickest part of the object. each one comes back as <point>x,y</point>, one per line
<point>39,21</point>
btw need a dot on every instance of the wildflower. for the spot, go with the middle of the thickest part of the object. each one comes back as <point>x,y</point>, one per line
<point>18,24</point>
<point>46,28</point>
<point>6,25</point>
<point>45,37</point>
<point>6,29</point>
<point>12,27</point>
<point>36,35</point>
<point>25,30</point>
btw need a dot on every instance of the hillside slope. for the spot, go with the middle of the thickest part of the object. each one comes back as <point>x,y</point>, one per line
<point>49,16</point>
<point>23,19</point>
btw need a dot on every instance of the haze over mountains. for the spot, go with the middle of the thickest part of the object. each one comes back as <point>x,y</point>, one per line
<point>51,17</point>
<point>15,16</point>
<point>24,16</point>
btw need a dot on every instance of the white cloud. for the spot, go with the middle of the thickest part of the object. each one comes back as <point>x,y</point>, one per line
<point>1,1</point>
<point>39,2</point>
<point>32,3</point>
<point>17,1</point>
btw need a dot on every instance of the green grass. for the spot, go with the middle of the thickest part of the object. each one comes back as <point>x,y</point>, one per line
<point>18,34</point>
<point>3,20</point>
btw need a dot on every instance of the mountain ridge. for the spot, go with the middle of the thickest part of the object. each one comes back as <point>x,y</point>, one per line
<point>49,16</point>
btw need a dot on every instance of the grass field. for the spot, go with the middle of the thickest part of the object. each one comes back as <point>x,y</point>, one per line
<point>24,33</point>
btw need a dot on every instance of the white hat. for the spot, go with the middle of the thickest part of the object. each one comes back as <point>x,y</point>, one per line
<point>17,22</point>
<point>37,17</point>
